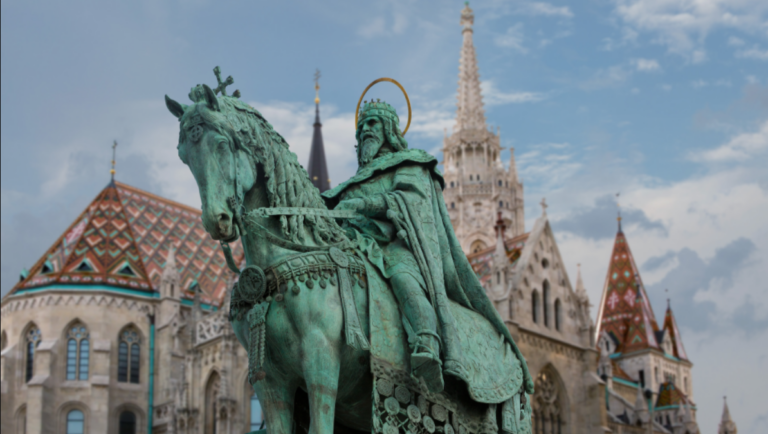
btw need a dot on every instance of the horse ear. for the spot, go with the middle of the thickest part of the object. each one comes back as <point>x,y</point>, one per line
<point>210,98</point>
<point>174,107</point>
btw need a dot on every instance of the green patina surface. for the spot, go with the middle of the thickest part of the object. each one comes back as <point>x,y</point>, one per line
<point>377,320</point>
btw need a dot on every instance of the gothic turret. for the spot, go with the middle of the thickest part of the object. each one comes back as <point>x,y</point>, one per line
<point>727,425</point>
<point>477,184</point>
<point>317,169</point>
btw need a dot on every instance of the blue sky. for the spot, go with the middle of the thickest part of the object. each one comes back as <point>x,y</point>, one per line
<point>665,101</point>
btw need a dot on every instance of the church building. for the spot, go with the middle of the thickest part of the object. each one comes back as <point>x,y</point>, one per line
<point>121,326</point>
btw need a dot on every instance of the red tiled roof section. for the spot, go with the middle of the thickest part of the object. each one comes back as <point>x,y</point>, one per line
<point>620,373</point>
<point>626,310</point>
<point>670,396</point>
<point>122,239</point>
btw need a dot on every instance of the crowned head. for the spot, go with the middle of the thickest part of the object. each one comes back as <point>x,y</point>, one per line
<point>378,130</point>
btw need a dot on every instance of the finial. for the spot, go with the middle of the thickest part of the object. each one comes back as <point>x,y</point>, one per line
<point>544,206</point>
<point>114,151</point>
<point>317,86</point>
<point>222,87</point>
<point>618,210</point>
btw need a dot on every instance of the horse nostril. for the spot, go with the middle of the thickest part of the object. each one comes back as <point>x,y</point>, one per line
<point>223,218</point>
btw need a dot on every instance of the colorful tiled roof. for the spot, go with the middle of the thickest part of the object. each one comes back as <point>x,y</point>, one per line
<point>670,325</point>
<point>122,239</point>
<point>625,309</point>
<point>482,261</point>
<point>620,373</point>
<point>670,396</point>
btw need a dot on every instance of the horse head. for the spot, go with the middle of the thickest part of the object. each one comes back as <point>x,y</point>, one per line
<point>210,144</point>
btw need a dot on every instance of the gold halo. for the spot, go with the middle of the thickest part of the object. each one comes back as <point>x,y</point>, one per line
<point>391,80</point>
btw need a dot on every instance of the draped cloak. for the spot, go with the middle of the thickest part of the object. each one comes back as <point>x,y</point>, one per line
<point>417,219</point>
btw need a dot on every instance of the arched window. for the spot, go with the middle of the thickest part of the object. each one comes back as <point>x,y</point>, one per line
<point>557,314</point>
<point>545,263</point>
<point>535,306</point>
<point>547,417</point>
<point>545,302</point>
<point>478,176</point>
<point>453,205</point>
<point>257,417</point>
<point>75,422</point>
<point>78,349</point>
<point>501,204</point>
<point>212,390</point>
<point>21,420</point>
<point>33,339</point>
<point>451,184</point>
<point>499,183</point>
<point>470,177</point>
<point>127,423</point>
<point>128,360</point>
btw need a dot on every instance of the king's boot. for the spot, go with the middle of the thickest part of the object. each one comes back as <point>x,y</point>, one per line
<point>425,360</point>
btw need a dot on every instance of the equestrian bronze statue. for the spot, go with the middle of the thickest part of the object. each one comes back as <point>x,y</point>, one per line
<point>358,308</point>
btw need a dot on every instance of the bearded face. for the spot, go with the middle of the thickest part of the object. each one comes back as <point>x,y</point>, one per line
<point>371,140</point>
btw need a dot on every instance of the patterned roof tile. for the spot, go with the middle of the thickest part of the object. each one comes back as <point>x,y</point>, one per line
<point>122,239</point>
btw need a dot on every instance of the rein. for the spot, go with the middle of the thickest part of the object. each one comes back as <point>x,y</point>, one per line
<point>249,220</point>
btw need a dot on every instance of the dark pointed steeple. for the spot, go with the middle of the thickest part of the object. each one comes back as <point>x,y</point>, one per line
<point>317,168</point>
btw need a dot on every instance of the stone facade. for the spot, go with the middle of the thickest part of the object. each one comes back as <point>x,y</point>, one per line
<point>200,370</point>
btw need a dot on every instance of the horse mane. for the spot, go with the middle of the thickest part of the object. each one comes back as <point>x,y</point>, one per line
<point>288,184</point>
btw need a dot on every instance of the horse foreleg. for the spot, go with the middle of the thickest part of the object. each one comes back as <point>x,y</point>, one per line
<point>321,373</point>
<point>276,398</point>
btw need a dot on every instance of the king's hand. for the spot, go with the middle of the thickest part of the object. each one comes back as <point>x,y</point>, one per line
<point>351,204</point>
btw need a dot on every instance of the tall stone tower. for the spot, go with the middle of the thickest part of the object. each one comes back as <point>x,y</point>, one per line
<point>477,185</point>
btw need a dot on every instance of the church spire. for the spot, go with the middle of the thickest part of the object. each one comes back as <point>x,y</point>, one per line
<point>470,113</point>
<point>727,426</point>
<point>624,308</point>
<point>317,169</point>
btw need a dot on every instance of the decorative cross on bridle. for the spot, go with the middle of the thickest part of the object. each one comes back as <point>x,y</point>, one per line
<point>222,87</point>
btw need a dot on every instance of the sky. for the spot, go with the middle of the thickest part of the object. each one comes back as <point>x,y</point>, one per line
<point>662,101</point>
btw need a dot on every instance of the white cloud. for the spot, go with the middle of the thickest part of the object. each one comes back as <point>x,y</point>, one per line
<point>682,25</point>
<point>513,38</point>
<point>740,148</point>
<point>646,65</point>
<point>698,84</point>
<point>381,26</point>
<point>755,53</point>
<point>376,27</point>
<point>492,96</point>
<point>547,9</point>
<point>628,37</point>
<point>735,42</point>
<point>607,77</point>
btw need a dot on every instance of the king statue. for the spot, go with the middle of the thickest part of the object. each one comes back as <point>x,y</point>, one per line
<point>398,194</point>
